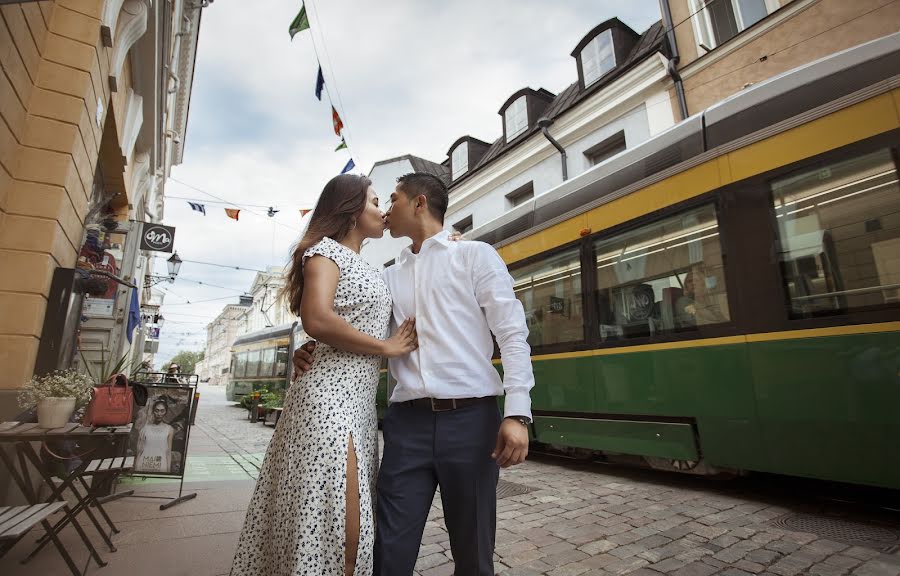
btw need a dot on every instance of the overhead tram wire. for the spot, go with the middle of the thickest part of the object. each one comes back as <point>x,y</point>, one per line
<point>206,201</point>
<point>226,266</point>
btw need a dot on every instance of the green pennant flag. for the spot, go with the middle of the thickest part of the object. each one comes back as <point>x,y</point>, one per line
<point>341,146</point>
<point>300,23</point>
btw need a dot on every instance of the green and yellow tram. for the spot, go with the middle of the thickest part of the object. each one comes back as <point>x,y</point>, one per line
<point>260,360</point>
<point>726,295</point>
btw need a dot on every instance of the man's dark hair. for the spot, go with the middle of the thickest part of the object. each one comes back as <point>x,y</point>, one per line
<point>429,185</point>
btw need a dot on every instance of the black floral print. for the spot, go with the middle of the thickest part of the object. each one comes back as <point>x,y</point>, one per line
<point>296,519</point>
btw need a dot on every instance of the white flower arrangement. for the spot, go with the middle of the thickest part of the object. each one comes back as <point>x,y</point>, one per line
<point>59,384</point>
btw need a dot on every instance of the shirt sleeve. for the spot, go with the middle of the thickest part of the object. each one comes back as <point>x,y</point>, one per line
<point>506,319</point>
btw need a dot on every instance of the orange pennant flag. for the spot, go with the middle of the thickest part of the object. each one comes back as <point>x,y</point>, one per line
<point>338,125</point>
<point>304,212</point>
<point>232,213</point>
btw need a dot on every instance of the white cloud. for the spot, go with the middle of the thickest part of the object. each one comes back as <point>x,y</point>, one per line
<point>413,77</point>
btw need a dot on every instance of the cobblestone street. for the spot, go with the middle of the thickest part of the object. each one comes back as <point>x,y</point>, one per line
<point>595,520</point>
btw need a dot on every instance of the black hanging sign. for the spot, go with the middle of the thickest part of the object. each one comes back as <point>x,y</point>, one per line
<point>157,238</point>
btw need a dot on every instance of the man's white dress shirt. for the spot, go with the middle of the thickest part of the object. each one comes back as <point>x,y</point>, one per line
<point>459,292</point>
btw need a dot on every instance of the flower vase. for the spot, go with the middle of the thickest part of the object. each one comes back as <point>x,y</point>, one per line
<point>55,412</point>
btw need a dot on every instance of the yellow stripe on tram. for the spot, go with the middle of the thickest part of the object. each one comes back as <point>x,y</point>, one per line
<point>728,340</point>
<point>852,124</point>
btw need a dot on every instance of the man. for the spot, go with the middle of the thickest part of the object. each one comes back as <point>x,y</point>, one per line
<point>172,374</point>
<point>443,427</point>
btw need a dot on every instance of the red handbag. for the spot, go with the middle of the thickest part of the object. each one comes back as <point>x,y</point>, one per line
<point>111,404</point>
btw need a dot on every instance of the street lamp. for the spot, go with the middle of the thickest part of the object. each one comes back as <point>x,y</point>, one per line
<point>174,266</point>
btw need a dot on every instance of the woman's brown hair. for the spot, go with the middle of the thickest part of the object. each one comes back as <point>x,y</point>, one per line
<point>342,201</point>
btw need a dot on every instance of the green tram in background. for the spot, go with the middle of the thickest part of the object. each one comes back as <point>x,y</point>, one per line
<point>259,360</point>
<point>726,295</point>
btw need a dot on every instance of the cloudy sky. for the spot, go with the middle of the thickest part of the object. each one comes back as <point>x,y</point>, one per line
<point>408,77</point>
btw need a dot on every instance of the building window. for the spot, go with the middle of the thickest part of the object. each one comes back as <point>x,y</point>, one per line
<point>460,160</point>
<point>464,225</point>
<point>839,235</point>
<point>605,149</point>
<point>550,293</point>
<point>281,361</point>
<point>520,195</point>
<point>516,118</point>
<point>661,278</point>
<point>598,57</point>
<point>717,21</point>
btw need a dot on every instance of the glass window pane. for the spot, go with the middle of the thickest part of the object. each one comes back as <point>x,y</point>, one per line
<point>550,292</point>
<point>281,361</point>
<point>460,160</point>
<point>839,235</point>
<point>662,278</point>
<point>751,12</point>
<point>267,363</point>
<point>253,364</point>
<point>241,368</point>
<point>598,57</point>
<point>516,118</point>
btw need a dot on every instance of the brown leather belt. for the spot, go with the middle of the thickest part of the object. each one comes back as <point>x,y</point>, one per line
<point>445,404</point>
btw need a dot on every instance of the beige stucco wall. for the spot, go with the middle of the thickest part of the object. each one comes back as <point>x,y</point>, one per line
<point>817,30</point>
<point>54,70</point>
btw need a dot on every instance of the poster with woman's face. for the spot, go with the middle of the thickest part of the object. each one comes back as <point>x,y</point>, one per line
<point>158,438</point>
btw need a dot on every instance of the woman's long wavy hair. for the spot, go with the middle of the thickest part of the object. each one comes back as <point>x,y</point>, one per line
<point>342,201</point>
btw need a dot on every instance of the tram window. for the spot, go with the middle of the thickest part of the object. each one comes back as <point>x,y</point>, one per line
<point>550,292</point>
<point>267,363</point>
<point>838,228</point>
<point>661,278</point>
<point>253,363</point>
<point>240,366</point>
<point>281,361</point>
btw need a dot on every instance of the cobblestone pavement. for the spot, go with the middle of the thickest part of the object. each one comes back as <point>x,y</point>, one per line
<point>595,520</point>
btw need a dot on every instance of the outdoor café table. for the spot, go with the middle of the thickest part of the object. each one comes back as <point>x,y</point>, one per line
<point>24,435</point>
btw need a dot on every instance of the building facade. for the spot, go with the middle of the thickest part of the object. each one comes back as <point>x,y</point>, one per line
<point>723,46</point>
<point>220,335</point>
<point>619,99</point>
<point>268,308</point>
<point>94,99</point>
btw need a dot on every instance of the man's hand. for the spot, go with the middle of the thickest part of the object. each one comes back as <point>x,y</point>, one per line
<point>512,443</point>
<point>303,359</point>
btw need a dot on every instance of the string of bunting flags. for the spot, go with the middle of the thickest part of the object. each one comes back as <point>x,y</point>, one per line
<point>299,24</point>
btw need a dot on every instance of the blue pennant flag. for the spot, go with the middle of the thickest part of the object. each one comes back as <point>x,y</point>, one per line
<point>350,166</point>
<point>134,315</point>
<point>320,83</point>
<point>197,207</point>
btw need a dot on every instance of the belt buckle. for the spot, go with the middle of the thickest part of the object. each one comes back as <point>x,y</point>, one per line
<point>434,408</point>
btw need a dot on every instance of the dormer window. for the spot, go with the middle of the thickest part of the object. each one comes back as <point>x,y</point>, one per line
<point>459,162</point>
<point>598,57</point>
<point>516,118</point>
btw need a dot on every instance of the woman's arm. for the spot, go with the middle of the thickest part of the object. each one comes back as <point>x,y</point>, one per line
<point>320,280</point>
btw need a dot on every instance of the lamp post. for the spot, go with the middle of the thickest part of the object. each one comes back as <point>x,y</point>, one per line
<point>174,266</point>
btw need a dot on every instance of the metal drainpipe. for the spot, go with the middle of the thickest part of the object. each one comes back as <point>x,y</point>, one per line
<point>672,67</point>
<point>544,124</point>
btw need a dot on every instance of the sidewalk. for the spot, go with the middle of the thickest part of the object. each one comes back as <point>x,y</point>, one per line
<point>197,537</point>
<point>555,518</point>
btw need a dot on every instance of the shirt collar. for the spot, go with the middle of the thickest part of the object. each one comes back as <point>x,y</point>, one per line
<point>442,238</point>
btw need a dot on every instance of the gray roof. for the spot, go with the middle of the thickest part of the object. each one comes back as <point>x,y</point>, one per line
<point>650,41</point>
<point>420,165</point>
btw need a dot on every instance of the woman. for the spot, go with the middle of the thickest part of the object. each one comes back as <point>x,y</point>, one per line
<point>154,448</point>
<point>312,510</point>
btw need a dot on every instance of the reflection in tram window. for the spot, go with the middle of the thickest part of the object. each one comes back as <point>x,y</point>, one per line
<point>240,368</point>
<point>550,292</point>
<point>839,235</point>
<point>252,364</point>
<point>281,360</point>
<point>267,362</point>
<point>661,278</point>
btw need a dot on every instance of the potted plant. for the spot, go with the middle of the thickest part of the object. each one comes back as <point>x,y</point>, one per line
<point>56,396</point>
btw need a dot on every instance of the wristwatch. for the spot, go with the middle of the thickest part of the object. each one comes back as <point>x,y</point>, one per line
<point>524,420</point>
